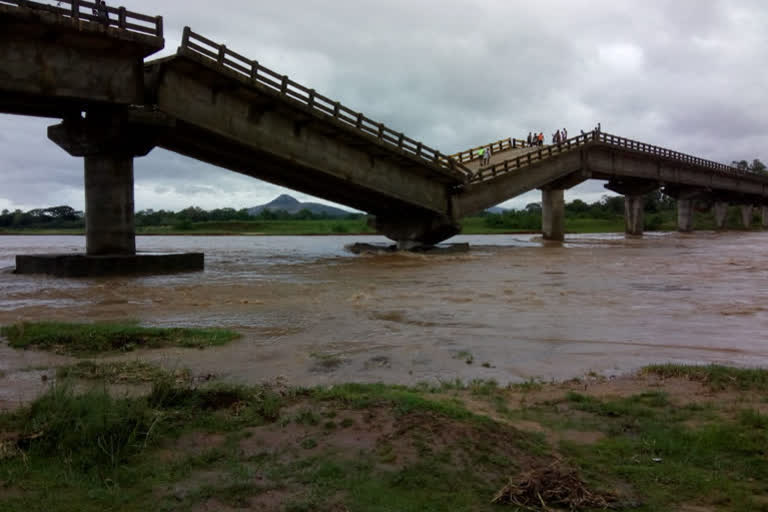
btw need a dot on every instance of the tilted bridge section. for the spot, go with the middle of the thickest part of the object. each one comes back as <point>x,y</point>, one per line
<point>87,67</point>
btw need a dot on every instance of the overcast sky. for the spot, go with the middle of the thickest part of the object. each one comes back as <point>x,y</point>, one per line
<point>691,75</point>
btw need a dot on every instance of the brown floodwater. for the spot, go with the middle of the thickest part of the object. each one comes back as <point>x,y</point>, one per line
<point>516,307</point>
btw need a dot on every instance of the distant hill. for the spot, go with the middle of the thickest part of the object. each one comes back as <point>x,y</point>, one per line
<point>496,209</point>
<point>292,205</point>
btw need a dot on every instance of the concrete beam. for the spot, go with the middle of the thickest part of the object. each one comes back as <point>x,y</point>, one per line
<point>721,213</point>
<point>634,214</point>
<point>685,215</point>
<point>606,163</point>
<point>631,186</point>
<point>553,214</point>
<point>746,215</point>
<point>58,62</point>
<point>477,197</point>
<point>317,158</point>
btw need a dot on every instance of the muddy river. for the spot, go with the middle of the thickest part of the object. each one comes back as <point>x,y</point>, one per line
<point>512,308</point>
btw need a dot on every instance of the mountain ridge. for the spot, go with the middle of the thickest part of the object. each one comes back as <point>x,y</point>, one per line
<point>291,205</point>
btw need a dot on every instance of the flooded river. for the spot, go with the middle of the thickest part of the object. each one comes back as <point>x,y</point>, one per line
<point>512,308</point>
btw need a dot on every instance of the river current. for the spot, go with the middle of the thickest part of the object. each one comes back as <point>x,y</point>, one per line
<point>510,309</point>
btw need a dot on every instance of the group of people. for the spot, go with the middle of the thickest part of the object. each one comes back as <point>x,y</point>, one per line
<point>533,139</point>
<point>101,12</point>
<point>537,139</point>
<point>484,154</point>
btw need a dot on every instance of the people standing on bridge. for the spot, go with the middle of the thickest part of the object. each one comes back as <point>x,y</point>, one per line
<point>565,135</point>
<point>541,138</point>
<point>488,156</point>
<point>481,155</point>
<point>530,138</point>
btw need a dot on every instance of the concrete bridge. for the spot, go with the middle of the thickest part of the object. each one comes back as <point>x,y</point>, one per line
<point>215,105</point>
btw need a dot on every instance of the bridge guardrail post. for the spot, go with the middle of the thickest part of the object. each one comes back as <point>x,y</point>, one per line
<point>76,9</point>
<point>284,84</point>
<point>254,70</point>
<point>159,26</point>
<point>185,37</point>
<point>222,54</point>
<point>121,17</point>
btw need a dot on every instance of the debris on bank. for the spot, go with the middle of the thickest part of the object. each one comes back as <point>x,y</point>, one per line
<point>551,488</point>
<point>362,248</point>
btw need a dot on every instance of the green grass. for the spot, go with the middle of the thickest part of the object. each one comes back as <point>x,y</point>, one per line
<point>264,227</point>
<point>91,451</point>
<point>84,339</point>
<point>132,372</point>
<point>715,376</point>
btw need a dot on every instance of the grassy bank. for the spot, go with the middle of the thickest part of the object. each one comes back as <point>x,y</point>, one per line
<point>256,227</point>
<point>86,339</point>
<point>672,438</point>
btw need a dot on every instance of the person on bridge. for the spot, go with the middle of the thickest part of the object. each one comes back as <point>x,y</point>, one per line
<point>565,135</point>
<point>540,138</point>
<point>103,12</point>
<point>530,138</point>
<point>481,155</point>
<point>488,156</point>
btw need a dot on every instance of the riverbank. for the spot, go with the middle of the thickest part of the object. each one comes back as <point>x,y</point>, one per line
<point>670,438</point>
<point>471,226</point>
<point>358,227</point>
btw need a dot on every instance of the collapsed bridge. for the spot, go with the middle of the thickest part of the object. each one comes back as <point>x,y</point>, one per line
<point>213,104</point>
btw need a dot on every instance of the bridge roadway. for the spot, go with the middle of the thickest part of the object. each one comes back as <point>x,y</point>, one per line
<point>215,105</point>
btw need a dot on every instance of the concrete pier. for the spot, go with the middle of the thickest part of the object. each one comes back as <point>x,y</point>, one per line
<point>109,211</point>
<point>108,142</point>
<point>553,214</point>
<point>634,220</point>
<point>685,215</point>
<point>746,215</point>
<point>417,230</point>
<point>721,213</point>
<point>764,213</point>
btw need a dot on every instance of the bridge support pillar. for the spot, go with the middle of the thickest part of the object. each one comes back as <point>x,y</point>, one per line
<point>685,215</point>
<point>746,215</point>
<point>634,191</point>
<point>634,220</point>
<point>108,143</point>
<point>415,232</point>
<point>765,217</point>
<point>553,214</point>
<point>721,213</point>
<point>109,211</point>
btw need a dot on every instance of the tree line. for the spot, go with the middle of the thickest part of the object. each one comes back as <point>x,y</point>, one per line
<point>66,217</point>
<point>657,206</point>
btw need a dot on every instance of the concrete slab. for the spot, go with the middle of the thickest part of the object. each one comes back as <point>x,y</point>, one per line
<point>81,265</point>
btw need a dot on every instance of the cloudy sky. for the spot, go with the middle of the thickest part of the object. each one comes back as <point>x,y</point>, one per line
<point>691,75</point>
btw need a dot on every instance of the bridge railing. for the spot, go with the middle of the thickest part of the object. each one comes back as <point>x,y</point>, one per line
<point>264,76</point>
<point>634,145</point>
<point>545,152</point>
<point>496,147</point>
<point>118,17</point>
